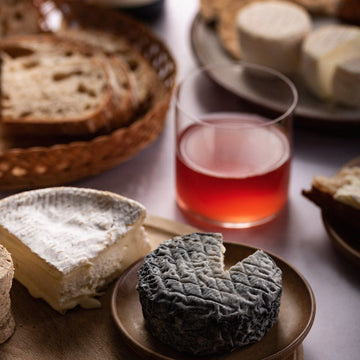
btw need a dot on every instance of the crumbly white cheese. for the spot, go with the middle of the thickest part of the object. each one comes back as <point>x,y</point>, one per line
<point>323,51</point>
<point>67,243</point>
<point>271,32</point>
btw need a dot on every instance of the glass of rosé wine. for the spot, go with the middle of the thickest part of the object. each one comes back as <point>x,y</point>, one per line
<point>233,143</point>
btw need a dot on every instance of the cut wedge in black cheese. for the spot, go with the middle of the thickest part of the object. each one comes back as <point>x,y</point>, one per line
<point>191,303</point>
<point>68,243</point>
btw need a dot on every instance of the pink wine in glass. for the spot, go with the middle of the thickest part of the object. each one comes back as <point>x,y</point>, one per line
<point>232,169</point>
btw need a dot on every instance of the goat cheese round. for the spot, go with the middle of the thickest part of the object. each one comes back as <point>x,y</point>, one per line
<point>323,51</point>
<point>191,303</point>
<point>346,82</point>
<point>271,33</point>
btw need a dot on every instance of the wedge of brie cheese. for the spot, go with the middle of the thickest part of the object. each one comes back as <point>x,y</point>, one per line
<point>271,33</point>
<point>68,243</point>
<point>323,53</point>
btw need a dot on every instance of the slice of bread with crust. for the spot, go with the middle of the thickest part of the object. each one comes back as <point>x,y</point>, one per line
<point>18,17</point>
<point>52,86</point>
<point>141,72</point>
<point>338,196</point>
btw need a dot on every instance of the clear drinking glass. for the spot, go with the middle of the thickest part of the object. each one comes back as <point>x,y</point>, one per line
<point>233,143</point>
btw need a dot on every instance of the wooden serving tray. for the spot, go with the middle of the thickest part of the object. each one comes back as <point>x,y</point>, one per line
<point>42,333</point>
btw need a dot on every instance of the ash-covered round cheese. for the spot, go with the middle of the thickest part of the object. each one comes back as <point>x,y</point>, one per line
<point>191,303</point>
<point>271,32</point>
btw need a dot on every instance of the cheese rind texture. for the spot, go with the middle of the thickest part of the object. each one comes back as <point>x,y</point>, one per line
<point>271,32</point>
<point>7,322</point>
<point>346,82</point>
<point>323,51</point>
<point>191,303</point>
<point>67,243</point>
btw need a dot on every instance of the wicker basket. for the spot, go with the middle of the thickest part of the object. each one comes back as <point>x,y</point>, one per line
<point>24,167</point>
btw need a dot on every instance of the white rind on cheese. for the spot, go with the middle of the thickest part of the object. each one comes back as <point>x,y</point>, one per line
<point>69,243</point>
<point>271,33</point>
<point>323,51</point>
<point>346,82</point>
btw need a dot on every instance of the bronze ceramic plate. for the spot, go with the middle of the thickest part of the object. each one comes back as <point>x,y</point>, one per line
<point>344,239</point>
<point>208,50</point>
<point>297,312</point>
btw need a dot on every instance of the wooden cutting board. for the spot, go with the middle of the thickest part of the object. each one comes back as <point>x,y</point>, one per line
<point>42,333</point>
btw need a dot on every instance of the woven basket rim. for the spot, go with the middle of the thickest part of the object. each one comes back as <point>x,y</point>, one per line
<point>151,123</point>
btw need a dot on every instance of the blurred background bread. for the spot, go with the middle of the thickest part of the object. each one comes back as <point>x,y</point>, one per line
<point>18,17</point>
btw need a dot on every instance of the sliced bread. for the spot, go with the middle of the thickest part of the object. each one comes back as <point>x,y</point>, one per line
<point>338,196</point>
<point>142,74</point>
<point>51,86</point>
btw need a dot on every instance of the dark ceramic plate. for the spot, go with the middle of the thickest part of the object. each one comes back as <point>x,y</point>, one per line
<point>344,238</point>
<point>208,50</point>
<point>297,312</point>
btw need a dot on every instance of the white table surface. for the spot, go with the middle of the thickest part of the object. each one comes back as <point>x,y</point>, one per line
<point>297,234</point>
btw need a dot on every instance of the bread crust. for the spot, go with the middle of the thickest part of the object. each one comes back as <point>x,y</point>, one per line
<point>322,194</point>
